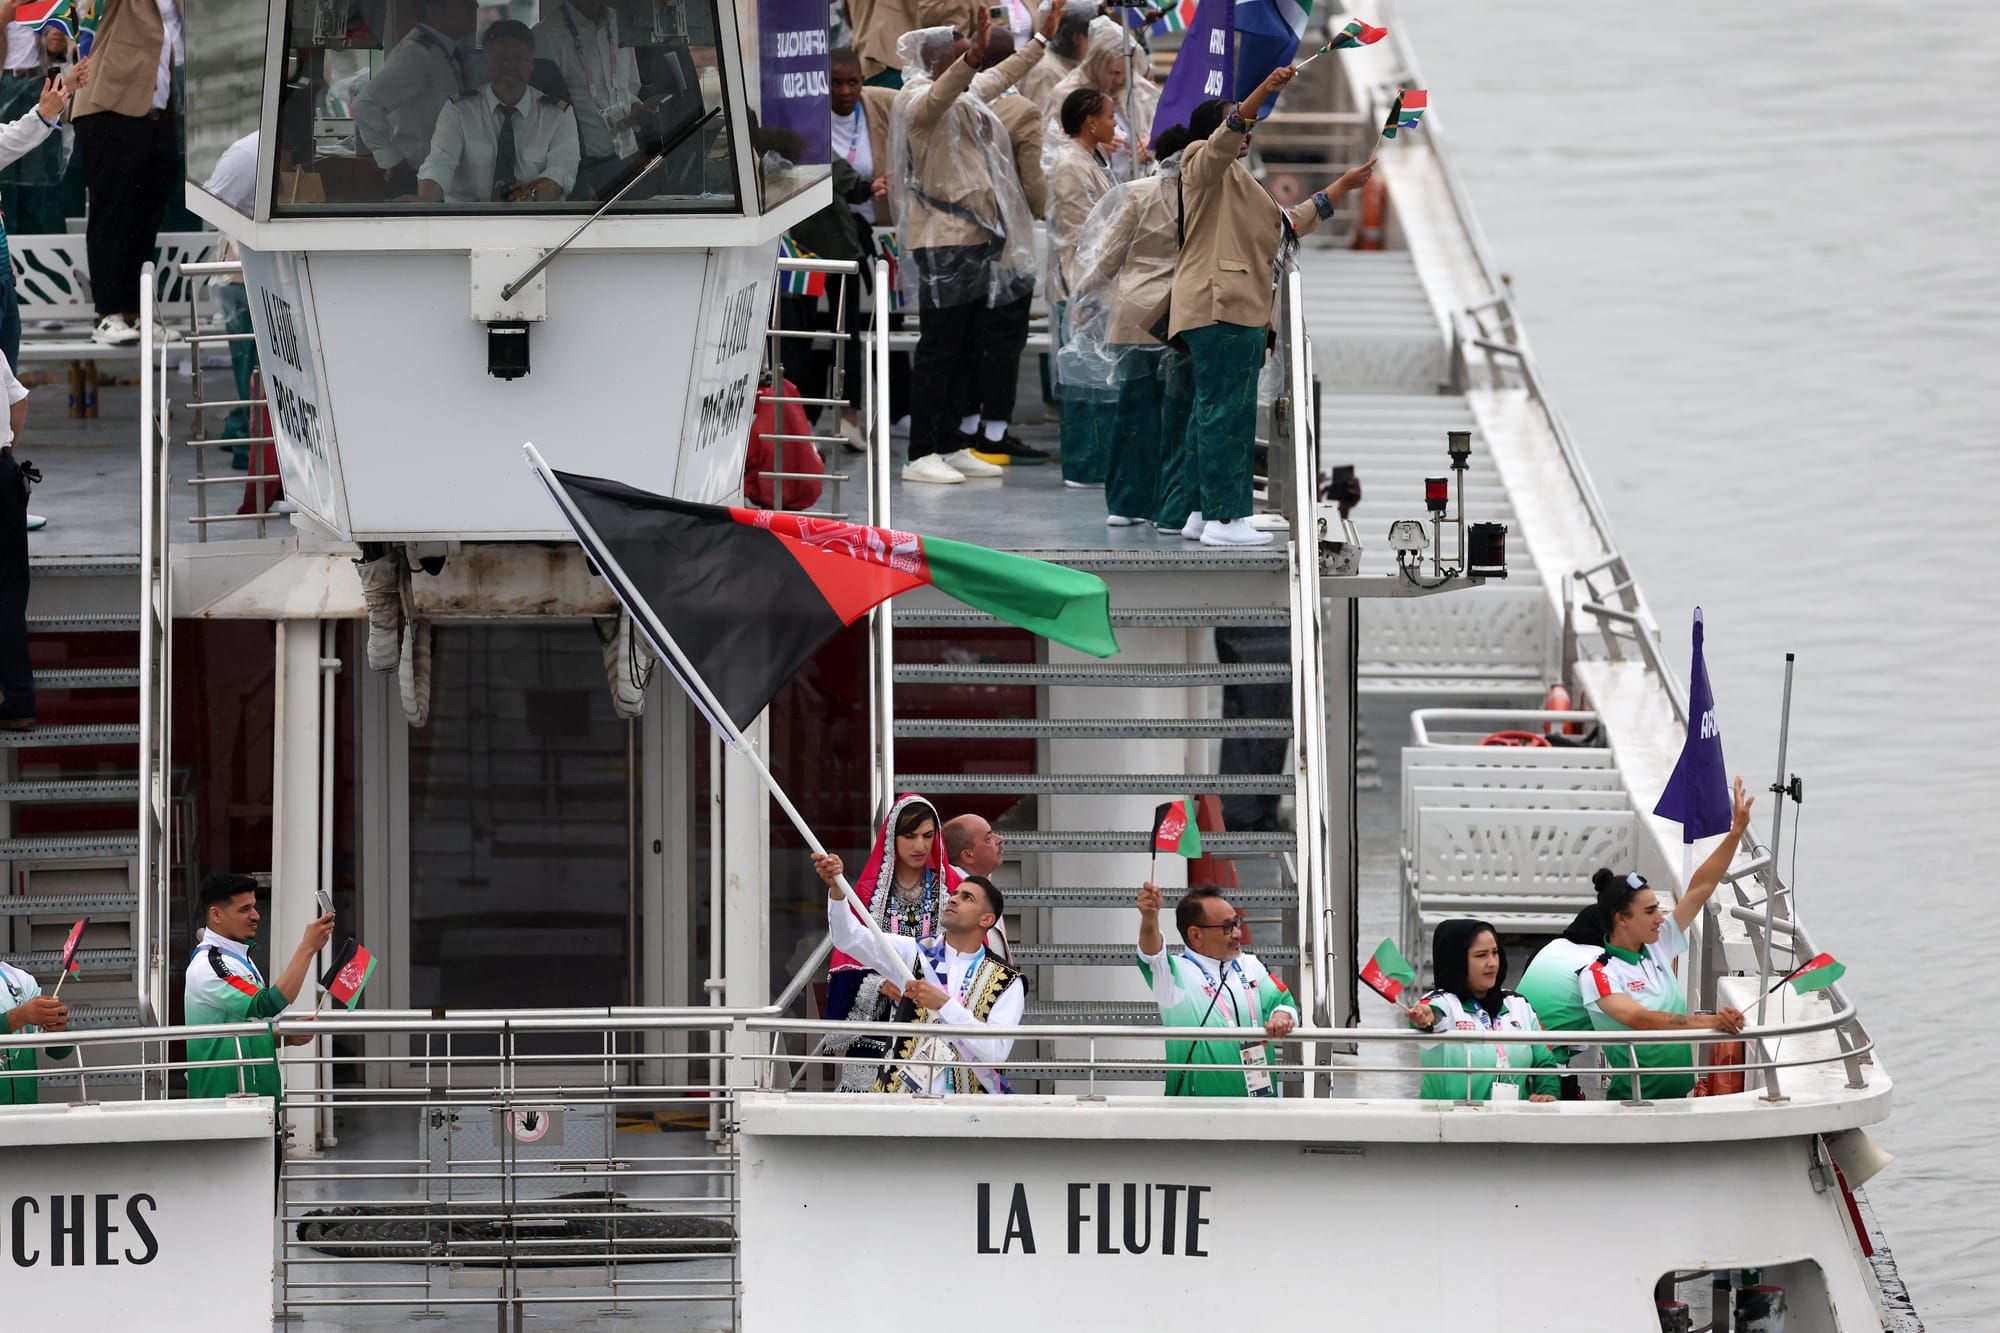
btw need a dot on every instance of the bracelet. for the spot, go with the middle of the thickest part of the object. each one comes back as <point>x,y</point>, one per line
<point>1323,204</point>
<point>1236,123</point>
<point>44,119</point>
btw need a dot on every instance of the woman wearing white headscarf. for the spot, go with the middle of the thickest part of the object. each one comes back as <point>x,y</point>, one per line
<point>1103,67</point>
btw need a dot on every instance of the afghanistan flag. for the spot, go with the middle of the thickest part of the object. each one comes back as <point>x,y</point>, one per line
<point>1356,33</point>
<point>794,282</point>
<point>745,596</point>
<point>1174,829</point>
<point>1406,111</point>
<point>351,967</point>
<point>1388,971</point>
<point>1817,973</point>
<point>69,948</point>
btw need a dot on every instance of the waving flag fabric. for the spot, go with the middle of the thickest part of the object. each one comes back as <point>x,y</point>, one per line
<point>349,971</point>
<point>1405,112</point>
<point>1817,973</point>
<point>1388,972</point>
<point>1354,34</point>
<point>1268,34</point>
<point>40,14</point>
<point>748,595</point>
<point>1178,17</point>
<point>793,282</point>
<point>70,946</point>
<point>1174,829</point>
<point>1202,68</point>
<point>1697,794</point>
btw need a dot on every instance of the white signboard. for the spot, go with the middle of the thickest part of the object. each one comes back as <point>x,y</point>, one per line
<point>722,392</point>
<point>166,1233</point>
<point>281,311</point>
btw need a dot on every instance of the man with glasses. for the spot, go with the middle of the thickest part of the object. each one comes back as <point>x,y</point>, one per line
<point>1214,984</point>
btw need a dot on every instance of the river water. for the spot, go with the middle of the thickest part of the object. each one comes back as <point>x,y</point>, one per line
<point>1755,248</point>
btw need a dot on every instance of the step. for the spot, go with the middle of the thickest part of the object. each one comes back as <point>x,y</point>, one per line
<point>84,566</point>
<point>1064,728</point>
<point>50,738</point>
<point>74,791</point>
<point>1072,784</point>
<point>1090,1011</point>
<point>43,965</point>
<point>108,678</point>
<point>1181,558</point>
<point>89,623</point>
<point>70,847</point>
<point>71,906</point>
<point>1185,617</point>
<point>1118,955</point>
<point>1103,840</point>
<point>98,1017</point>
<point>1162,675</point>
<point>1023,897</point>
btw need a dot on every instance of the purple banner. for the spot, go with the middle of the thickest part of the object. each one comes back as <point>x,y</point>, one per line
<point>1202,68</point>
<point>792,50</point>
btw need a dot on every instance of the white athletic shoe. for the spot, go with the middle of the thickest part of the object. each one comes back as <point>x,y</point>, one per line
<point>37,522</point>
<point>973,467</point>
<point>1083,485</point>
<point>115,330</point>
<point>1194,526</point>
<point>1120,521</point>
<point>933,468</point>
<point>1236,532</point>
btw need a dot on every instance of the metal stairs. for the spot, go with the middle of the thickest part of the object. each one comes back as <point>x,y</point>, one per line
<point>69,789</point>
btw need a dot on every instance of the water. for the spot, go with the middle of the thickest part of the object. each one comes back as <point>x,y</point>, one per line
<point>1754,247</point>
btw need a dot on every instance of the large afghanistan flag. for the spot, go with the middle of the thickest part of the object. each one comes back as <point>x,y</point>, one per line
<point>1202,67</point>
<point>1268,34</point>
<point>1697,794</point>
<point>747,595</point>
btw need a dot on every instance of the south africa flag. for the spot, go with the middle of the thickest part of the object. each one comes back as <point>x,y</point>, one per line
<point>794,283</point>
<point>1388,972</point>
<point>351,967</point>
<point>747,595</point>
<point>1176,19</point>
<point>1174,829</point>
<point>39,14</point>
<point>1408,109</point>
<point>1354,34</point>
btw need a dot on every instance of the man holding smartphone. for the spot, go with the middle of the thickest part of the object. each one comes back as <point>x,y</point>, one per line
<point>224,986</point>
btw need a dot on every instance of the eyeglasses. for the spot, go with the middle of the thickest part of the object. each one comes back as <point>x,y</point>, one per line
<point>1230,926</point>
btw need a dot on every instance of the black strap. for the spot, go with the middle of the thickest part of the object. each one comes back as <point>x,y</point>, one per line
<point>1180,217</point>
<point>215,961</point>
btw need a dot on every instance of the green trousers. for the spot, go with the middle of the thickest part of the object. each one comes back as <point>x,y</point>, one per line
<point>1087,424</point>
<point>1175,498</point>
<point>1227,359</point>
<point>1132,472</point>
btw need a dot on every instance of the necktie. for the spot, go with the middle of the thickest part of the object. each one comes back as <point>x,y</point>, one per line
<point>503,153</point>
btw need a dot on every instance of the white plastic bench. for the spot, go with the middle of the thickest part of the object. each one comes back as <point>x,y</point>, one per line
<point>1492,641</point>
<point>1526,871</point>
<point>52,279</point>
<point>1473,786</point>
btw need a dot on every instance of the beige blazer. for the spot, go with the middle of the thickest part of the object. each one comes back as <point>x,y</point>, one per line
<point>1023,120</point>
<point>966,183</point>
<point>124,60</point>
<point>1140,249</point>
<point>1077,180</point>
<point>877,25</point>
<point>1233,231</point>
<point>875,104</point>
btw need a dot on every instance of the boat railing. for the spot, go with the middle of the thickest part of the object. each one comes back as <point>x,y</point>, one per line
<point>835,275</point>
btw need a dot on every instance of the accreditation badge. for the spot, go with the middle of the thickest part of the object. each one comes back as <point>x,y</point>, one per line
<point>1257,1070</point>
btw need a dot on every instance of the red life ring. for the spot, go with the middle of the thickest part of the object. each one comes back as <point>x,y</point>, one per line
<point>1520,739</point>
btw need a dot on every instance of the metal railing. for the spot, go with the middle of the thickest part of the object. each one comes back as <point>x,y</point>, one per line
<point>839,273</point>
<point>200,405</point>
<point>156,632</point>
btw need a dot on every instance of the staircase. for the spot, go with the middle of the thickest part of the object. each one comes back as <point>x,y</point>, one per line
<point>70,790</point>
<point>1068,756</point>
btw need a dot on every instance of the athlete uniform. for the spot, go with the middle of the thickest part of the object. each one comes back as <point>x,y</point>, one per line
<point>224,986</point>
<point>1493,1072</point>
<point>1197,992</point>
<point>17,988</point>
<point>1646,975</point>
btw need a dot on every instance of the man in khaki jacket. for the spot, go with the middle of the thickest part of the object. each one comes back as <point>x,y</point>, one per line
<point>127,132</point>
<point>1222,300</point>
<point>877,24</point>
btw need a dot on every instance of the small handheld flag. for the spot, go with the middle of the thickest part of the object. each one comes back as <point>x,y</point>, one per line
<point>44,14</point>
<point>1405,112</point>
<point>69,953</point>
<point>351,967</point>
<point>1355,34</point>
<point>1388,972</point>
<point>1174,829</point>
<point>795,282</point>
<point>1817,973</point>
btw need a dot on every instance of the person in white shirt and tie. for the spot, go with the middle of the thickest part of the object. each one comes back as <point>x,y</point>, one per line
<point>506,141</point>
<point>397,112</point>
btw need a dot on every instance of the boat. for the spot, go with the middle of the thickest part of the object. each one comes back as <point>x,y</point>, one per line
<point>593,1079</point>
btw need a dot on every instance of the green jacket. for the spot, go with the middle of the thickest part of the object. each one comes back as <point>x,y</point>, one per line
<point>1187,998</point>
<point>224,986</point>
<point>17,987</point>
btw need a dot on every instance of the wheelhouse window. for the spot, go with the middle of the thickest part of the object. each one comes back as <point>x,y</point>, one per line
<point>785,80</point>
<point>453,107</point>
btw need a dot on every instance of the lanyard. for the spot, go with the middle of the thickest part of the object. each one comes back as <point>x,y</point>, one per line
<point>934,951</point>
<point>854,143</point>
<point>576,40</point>
<point>1221,984</point>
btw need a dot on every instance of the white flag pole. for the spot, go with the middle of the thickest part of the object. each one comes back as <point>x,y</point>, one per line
<point>663,643</point>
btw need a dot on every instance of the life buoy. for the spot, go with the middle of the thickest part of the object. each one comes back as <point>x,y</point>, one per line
<point>1374,206</point>
<point>1518,739</point>
<point>1558,701</point>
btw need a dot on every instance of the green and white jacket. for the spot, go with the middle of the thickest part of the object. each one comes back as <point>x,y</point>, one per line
<point>1185,987</point>
<point>17,988</point>
<point>224,986</point>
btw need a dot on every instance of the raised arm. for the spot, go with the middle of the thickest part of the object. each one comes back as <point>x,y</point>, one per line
<point>891,955</point>
<point>1150,943</point>
<point>1709,873</point>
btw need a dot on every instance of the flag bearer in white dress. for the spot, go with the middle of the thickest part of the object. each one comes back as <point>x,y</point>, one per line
<point>957,981</point>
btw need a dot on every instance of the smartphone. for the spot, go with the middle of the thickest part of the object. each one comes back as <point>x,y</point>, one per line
<point>998,13</point>
<point>324,899</point>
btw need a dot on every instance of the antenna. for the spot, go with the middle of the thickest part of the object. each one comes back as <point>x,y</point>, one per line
<point>1781,788</point>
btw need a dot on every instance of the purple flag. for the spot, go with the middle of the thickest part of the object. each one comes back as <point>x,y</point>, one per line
<point>1202,68</point>
<point>1697,795</point>
<point>792,55</point>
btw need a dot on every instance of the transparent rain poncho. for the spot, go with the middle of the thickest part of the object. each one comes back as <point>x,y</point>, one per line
<point>1078,179</point>
<point>1104,59</point>
<point>1121,278</point>
<point>957,200</point>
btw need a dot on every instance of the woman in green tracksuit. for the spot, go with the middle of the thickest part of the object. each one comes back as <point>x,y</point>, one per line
<point>1471,996</point>
<point>25,1010</point>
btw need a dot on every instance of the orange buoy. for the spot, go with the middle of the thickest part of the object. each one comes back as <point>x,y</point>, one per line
<point>1558,701</point>
<point>1722,1082</point>
<point>1374,206</point>
<point>1521,739</point>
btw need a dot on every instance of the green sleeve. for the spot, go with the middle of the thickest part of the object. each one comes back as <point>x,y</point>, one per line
<point>1541,1057</point>
<point>268,1003</point>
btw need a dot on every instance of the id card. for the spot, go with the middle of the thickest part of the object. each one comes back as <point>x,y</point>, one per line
<point>1257,1070</point>
<point>928,1061</point>
<point>1504,1092</point>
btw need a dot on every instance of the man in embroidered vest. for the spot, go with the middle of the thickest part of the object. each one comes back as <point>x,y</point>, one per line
<point>224,986</point>
<point>957,980</point>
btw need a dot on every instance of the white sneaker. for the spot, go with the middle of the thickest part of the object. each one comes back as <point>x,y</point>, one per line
<point>899,429</point>
<point>851,437</point>
<point>1083,485</point>
<point>933,468</point>
<point>115,330</point>
<point>1236,532</point>
<point>1192,531</point>
<point>964,461</point>
<point>1120,521</point>
<point>36,522</point>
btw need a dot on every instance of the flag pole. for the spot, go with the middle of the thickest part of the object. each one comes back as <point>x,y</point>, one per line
<point>663,643</point>
<point>1777,828</point>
